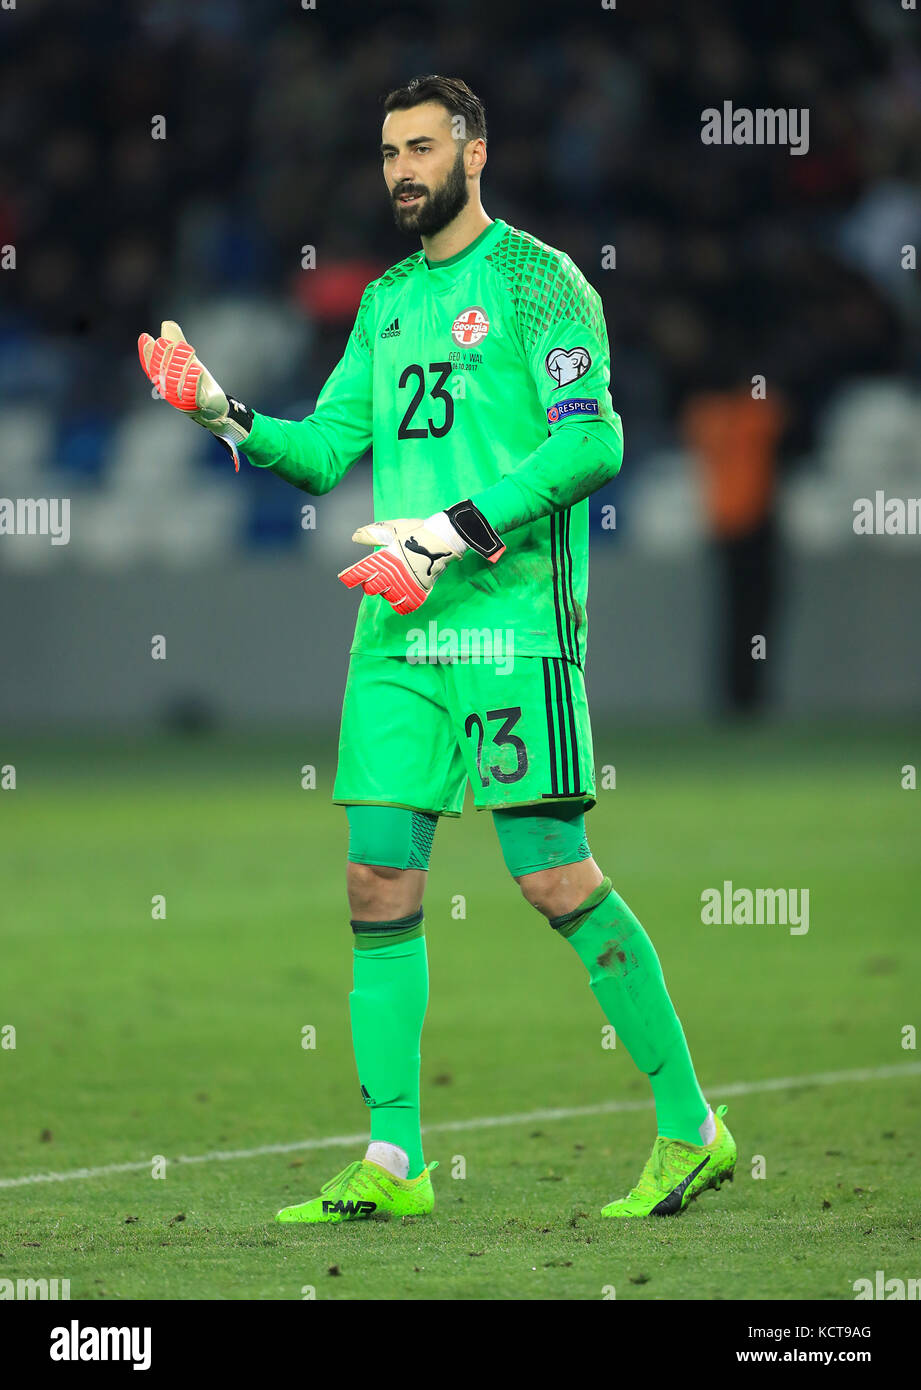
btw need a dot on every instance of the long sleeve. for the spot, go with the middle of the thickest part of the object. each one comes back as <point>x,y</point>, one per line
<point>315,454</point>
<point>562,331</point>
<point>574,462</point>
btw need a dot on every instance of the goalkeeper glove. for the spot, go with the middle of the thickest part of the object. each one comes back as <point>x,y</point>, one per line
<point>416,552</point>
<point>180,378</point>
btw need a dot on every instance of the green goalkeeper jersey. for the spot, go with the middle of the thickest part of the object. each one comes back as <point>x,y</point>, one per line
<point>484,376</point>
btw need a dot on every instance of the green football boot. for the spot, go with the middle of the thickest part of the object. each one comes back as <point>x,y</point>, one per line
<point>676,1173</point>
<point>365,1190</point>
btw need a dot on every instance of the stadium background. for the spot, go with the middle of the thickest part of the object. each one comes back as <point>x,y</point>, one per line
<point>730,261</point>
<point>140,1035</point>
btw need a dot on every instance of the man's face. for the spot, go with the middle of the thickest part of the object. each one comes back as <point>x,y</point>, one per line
<point>423,168</point>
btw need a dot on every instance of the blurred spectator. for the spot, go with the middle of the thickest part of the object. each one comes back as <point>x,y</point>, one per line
<point>735,439</point>
<point>271,129</point>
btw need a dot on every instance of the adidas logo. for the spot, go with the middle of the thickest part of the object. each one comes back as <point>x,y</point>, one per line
<point>392,330</point>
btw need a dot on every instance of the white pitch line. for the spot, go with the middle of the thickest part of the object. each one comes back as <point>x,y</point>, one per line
<point>610,1107</point>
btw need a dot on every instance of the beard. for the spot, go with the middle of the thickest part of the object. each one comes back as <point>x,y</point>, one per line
<point>436,209</point>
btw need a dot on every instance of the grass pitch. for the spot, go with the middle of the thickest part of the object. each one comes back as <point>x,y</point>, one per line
<point>137,1037</point>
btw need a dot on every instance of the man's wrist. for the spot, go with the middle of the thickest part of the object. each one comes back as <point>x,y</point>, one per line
<point>442,527</point>
<point>239,420</point>
<point>475,530</point>
<point>264,444</point>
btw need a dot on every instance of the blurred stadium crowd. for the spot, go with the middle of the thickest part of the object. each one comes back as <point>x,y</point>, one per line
<point>730,260</point>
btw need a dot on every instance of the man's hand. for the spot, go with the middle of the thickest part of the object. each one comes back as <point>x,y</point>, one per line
<point>416,552</point>
<point>171,364</point>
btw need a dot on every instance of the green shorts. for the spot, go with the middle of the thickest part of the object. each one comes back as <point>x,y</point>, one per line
<point>413,733</point>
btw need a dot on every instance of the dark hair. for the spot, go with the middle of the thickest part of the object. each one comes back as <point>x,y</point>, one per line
<point>453,94</point>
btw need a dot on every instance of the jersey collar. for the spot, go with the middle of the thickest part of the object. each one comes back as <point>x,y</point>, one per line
<point>470,252</point>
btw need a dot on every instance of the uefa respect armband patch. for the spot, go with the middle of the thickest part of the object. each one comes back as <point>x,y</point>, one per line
<point>563,410</point>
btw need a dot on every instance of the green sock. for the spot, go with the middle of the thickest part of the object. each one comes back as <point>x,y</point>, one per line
<point>627,981</point>
<point>387,1005</point>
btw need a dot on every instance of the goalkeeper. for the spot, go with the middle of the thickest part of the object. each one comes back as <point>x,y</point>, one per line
<point>477,371</point>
